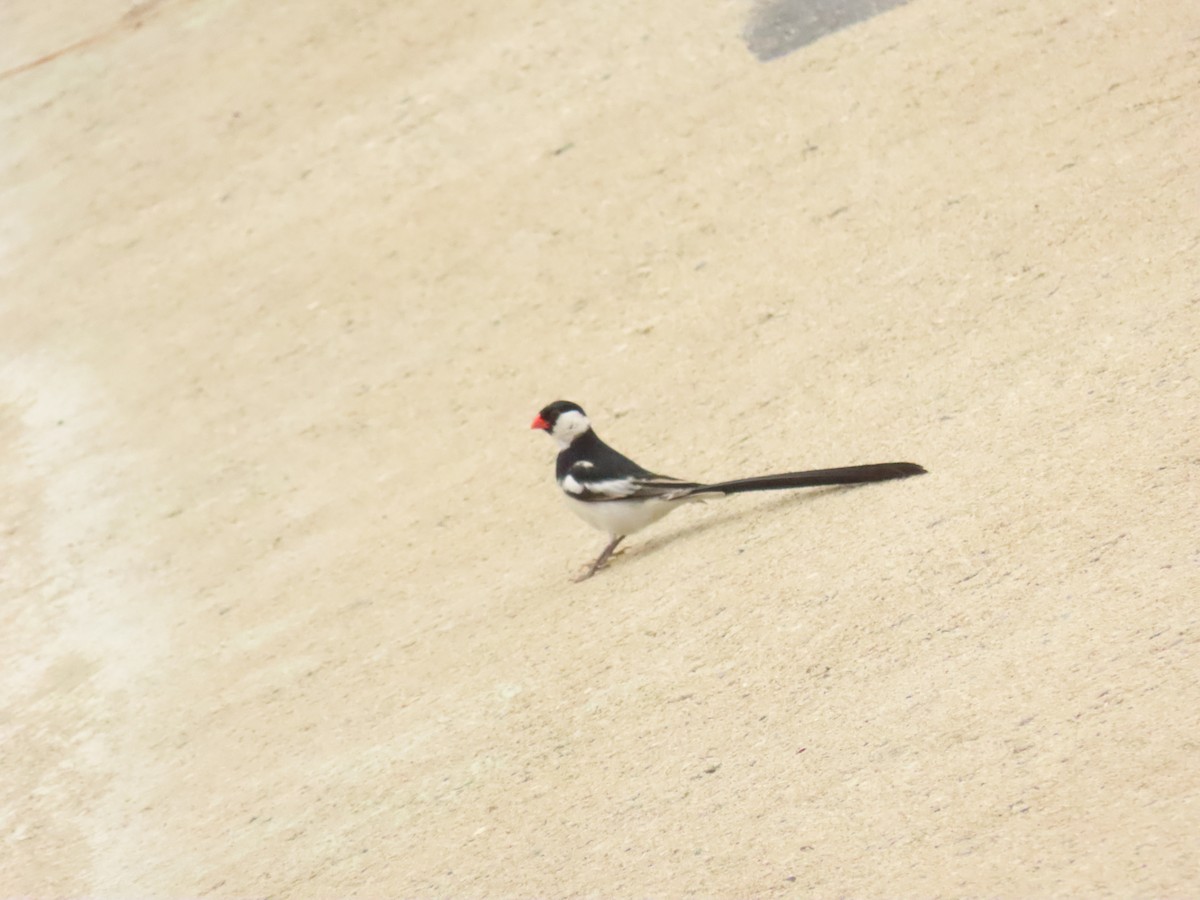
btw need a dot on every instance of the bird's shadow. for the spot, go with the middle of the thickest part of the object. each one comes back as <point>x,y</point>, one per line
<point>657,543</point>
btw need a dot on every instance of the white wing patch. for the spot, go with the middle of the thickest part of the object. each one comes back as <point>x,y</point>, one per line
<point>613,488</point>
<point>576,483</point>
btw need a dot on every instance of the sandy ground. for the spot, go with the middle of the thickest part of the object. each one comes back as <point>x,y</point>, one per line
<point>285,599</point>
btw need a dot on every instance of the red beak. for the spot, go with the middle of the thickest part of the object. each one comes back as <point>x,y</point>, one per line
<point>541,423</point>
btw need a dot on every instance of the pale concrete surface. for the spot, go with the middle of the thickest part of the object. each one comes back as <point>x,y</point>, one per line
<point>285,599</point>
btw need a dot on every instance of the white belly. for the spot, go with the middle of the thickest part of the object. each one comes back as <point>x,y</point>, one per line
<point>618,517</point>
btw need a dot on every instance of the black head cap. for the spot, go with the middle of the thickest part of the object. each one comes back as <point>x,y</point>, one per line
<point>549,415</point>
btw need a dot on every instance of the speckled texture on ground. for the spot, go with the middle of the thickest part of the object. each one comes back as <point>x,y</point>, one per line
<point>284,588</point>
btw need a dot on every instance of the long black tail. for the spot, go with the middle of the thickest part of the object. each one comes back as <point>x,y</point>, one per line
<point>815,478</point>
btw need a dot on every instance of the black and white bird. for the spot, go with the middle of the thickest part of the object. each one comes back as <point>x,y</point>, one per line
<point>614,494</point>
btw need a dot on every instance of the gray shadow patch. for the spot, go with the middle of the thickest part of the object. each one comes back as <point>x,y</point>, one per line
<point>777,27</point>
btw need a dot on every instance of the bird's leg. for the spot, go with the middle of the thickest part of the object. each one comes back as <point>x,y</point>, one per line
<point>600,560</point>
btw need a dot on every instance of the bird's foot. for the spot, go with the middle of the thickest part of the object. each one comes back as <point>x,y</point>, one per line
<point>601,561</point>
<point>586,572</point>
